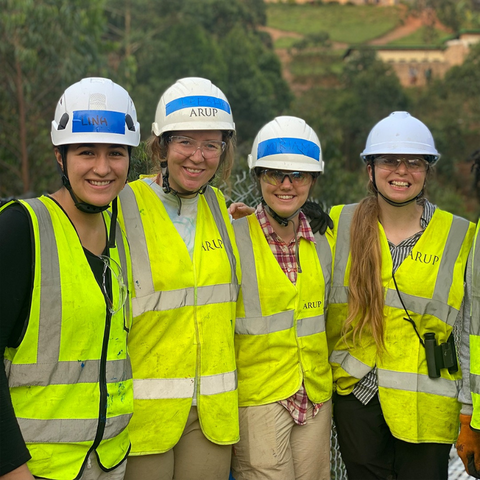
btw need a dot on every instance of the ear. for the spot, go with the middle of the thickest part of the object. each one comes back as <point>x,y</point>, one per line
<point>369,171</point>
<point>58,157</point>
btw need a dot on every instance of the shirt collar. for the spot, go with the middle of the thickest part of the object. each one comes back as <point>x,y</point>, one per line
<point>304,229</point>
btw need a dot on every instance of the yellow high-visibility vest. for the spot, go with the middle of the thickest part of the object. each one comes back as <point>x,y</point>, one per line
<point>280,337</point>
<point>70,378</point>
<point>430,280</point>
<point>184,321</point>
<point>475,333</point>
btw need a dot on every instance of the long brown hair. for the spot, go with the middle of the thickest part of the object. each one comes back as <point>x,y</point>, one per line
<point>366,292</point>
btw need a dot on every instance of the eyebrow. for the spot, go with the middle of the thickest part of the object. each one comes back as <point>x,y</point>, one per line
<point>93,145</point>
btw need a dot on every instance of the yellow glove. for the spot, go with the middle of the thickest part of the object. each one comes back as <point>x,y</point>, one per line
<point>468,446</point>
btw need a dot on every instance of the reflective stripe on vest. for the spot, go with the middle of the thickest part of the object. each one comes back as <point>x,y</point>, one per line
<point>254,323</point>
<point>68,430</point>
<point>413,382</point>
<point>87,371</point>
<point>161,388</point>
<point>172,299</point>
<point>349,363</point>
<point>68,372</point>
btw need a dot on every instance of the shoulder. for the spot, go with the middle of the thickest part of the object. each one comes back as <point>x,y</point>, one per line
<point>14,217</point>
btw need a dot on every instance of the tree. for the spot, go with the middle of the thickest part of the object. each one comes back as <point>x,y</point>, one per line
<point>369,91</point>
<point>216,39</point>
<point>45,45</point>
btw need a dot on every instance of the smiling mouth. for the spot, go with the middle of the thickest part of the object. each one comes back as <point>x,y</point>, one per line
<point>285,197</point>
<point>99,183</point>
<point>399,184</point>
<point>193,170</point>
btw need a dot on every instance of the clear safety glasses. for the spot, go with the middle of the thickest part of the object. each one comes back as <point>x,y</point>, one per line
<point>188,146</point>
<point>277,177</point>
<point>116,303</point>
<point>391,163</point>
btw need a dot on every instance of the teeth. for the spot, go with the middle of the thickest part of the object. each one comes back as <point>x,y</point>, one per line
<point>98,183</point>
<point>400,184</point>
<point>285,197</point>
<point>192,170</point>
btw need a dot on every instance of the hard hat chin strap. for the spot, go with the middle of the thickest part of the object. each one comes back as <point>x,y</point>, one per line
<point>87,207</point>
<point>391,202</point>
<point>284,221</point>
<point>82,206</point>
<point>168,189</point>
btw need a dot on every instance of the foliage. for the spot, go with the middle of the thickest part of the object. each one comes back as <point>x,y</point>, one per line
<point>455,14</point>
<point>215,39</point>
<point>45,45</point>
<point>423,36</point>
<point>343,24</point>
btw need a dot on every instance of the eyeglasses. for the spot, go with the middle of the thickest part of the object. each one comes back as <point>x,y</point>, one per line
<point>392,163</point>
<point>277,177</point>
<point>188,146</point>
<point>116,303</point>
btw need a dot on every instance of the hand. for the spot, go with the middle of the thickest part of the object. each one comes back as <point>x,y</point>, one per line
<point>319,220</point>
<point>468,446</point>
<point>239,210</point>
<point>20,473</point>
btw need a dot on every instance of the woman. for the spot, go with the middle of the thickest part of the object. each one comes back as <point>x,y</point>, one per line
<point>67,391</point>
<point>285,380</point>
<point>186,284</point>
<point>397,289</point>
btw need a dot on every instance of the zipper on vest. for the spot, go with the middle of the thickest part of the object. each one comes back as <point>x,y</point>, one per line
<point>102,413</point>
<point>102,381</point>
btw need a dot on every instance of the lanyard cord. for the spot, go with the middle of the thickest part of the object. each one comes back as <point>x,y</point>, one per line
<point>409,319</point>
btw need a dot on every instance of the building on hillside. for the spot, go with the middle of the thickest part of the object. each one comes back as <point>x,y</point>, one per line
<point>418,65</point>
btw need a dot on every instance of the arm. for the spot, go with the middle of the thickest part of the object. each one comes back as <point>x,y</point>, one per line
<point>15,292</point>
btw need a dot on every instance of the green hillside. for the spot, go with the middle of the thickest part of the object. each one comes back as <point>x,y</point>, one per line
<point>344,23</point>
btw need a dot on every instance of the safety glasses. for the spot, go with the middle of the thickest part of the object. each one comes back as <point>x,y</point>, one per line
<point>188,146</point>
<point>277,177</point>
<point>391,163</point>
<point>111,267</point>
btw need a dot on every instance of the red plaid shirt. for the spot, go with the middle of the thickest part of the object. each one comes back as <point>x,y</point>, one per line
<point>297,404</point>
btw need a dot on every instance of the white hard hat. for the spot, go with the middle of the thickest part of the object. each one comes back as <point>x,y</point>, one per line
<point>95,110</point>
<point>400,133</point>
<point>287,143</point>
<point>193,104</point>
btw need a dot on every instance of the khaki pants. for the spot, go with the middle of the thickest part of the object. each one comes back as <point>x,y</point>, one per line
<point>192,458</point>
<point>273,447</point>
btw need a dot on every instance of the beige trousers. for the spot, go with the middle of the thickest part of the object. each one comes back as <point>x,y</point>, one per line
<point>192,458</point>
<point>273,447</point>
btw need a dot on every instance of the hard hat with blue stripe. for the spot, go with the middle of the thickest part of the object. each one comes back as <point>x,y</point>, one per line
<point>193,103</point>
<point>287,143</point>
<point>95,110</point>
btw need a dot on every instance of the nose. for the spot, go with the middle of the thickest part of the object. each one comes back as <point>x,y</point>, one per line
<point>195,157</point>
<point>286,182</point>
<point>402,166</point>
<point>102,165</point>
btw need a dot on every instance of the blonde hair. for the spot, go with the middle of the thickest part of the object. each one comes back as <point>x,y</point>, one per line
<point>157,148</point>
<point>366,292</point>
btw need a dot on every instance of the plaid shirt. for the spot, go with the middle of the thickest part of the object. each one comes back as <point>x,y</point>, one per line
<point>297,404</point>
